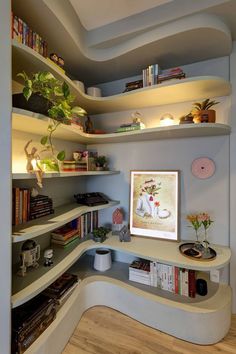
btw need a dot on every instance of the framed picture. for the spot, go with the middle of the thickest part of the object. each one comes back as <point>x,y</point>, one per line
<point>154,204</point>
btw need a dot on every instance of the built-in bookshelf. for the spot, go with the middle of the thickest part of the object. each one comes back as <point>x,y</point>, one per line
<point>163,251</point>
<point>35,123</point>
<point>110,288</point>
<point>62,215</point>
<point>174,91</point>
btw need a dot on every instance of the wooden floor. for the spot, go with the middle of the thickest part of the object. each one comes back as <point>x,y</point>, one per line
<point>102,330</point>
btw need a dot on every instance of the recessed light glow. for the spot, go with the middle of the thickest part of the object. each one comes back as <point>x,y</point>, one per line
<point>167,119</point>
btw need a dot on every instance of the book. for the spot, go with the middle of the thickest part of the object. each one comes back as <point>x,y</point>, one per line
<point>64,242</point>
<point>192,283</point>
<point>59,287</point>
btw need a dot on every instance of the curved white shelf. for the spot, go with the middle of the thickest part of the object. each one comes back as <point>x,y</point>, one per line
<point>64,174</point>
<point>37,280</point>
<point>151,310</point>
<point>175,91</point>
<point>35,123</point>
<point>62,215</point>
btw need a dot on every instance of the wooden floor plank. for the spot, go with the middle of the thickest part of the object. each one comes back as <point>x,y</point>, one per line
<point>102,330</point>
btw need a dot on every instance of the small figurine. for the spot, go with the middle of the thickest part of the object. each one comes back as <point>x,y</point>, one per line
<point>60,62</point>
<point>32,163</point>
<point>54,57</point>
<point>124,234</point>
<point>88,125</point>
<point>48,254</point>
<point>117,221</point>
<point>30,254</point>
<point>136,116</point>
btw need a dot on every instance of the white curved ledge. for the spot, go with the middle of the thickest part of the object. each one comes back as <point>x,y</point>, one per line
<point>163,251</point>
<point>186,322</point>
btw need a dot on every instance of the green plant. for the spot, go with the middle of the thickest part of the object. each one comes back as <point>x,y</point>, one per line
<point>100,233</point>
<point>100,160</point>
<point>56,92</point>
<point>60,109</point>
<point>204,105</point>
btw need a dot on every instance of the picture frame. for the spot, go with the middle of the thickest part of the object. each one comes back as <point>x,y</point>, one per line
<point>154,204</point>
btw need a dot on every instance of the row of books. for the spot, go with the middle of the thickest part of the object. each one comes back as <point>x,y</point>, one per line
<point>74,230</point>
<point>166,277</point>
<point>32,318</point>
<point>25,35</point>
<point>150,75</point>
<point>25,207</point>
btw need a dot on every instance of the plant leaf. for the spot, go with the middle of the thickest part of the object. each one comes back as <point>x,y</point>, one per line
<point>78,110</point>
<point>65,89</point>
<point>61,155</point>
<point>27,92</point>
<point>44,140</point>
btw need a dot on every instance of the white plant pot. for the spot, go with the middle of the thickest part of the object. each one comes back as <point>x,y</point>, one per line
<point>102,259</point>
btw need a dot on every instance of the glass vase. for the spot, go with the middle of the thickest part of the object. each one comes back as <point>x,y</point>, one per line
<point>197,243</point>
<point>206,249</point>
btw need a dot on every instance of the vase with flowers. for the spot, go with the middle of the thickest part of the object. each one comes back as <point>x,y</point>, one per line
<point>196,223</point>
<point>206,222</point>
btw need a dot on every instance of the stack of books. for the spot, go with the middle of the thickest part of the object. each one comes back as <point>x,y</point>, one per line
<point>30,320</point>
<point>40,205</point>
<point>130,127</point>
<point>85,162</point>
<point>150,75</point>
<point>25,35</point>
<point>166,277</point>
<point>134,85</point>
<point>65,235</point>
<point>78,228</point>
<point>175,73</point>
<point>62,288</point>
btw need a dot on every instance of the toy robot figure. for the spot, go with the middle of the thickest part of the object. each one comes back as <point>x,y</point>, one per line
<point>30,254</point>
<point>48,254</point>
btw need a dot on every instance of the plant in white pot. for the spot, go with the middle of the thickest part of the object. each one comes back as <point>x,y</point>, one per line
<point>202,112</point>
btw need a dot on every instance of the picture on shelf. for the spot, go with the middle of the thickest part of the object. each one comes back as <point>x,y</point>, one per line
<point>154,198</point>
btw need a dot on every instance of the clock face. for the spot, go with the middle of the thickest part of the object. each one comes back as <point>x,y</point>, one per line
<point>203,167</point>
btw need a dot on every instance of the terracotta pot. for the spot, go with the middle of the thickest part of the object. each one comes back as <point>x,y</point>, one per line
<point>205,116</point>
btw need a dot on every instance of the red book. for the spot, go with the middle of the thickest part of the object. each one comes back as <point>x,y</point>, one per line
<point>176,277</point>
<point>17,206</point>
<point>192,283</point>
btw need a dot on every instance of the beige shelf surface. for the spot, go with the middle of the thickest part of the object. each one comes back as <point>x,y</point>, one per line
<point>37,124</point>
<point>26,175</point>
<point>174,91</point>
<point>62,215</point>
<point>163,251</point>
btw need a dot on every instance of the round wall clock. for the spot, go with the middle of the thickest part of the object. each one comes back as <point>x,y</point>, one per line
<point>203,167</point>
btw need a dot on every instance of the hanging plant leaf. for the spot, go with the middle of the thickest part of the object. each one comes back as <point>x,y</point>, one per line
<point>61,155</point>
<point>44,140</point>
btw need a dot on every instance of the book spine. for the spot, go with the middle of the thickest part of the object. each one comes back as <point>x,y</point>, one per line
<point>185,286</point>
<point>192,283</point>
<point>176,282</point>
<point>32,217</point>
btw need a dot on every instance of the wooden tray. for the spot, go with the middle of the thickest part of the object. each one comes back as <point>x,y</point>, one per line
<point>188,250</point>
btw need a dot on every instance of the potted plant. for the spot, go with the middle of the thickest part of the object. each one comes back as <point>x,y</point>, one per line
<point>203,113</point>
<point>99,234</point>
<point>100,162</point>
<point>43,93</point>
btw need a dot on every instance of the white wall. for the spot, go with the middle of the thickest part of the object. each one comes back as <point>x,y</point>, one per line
<point>233,177</point>
<point>211,195</point>
<point>5,185</point>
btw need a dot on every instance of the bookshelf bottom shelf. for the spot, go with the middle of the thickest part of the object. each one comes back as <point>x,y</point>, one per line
<point>178,317</point>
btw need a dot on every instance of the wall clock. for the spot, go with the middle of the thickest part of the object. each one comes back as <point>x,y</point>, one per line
<point>203,167</point>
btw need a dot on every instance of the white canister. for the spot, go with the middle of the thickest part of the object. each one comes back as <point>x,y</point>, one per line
<point>94,91</point>
<point>102,259</point>
<point>80,85</point>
